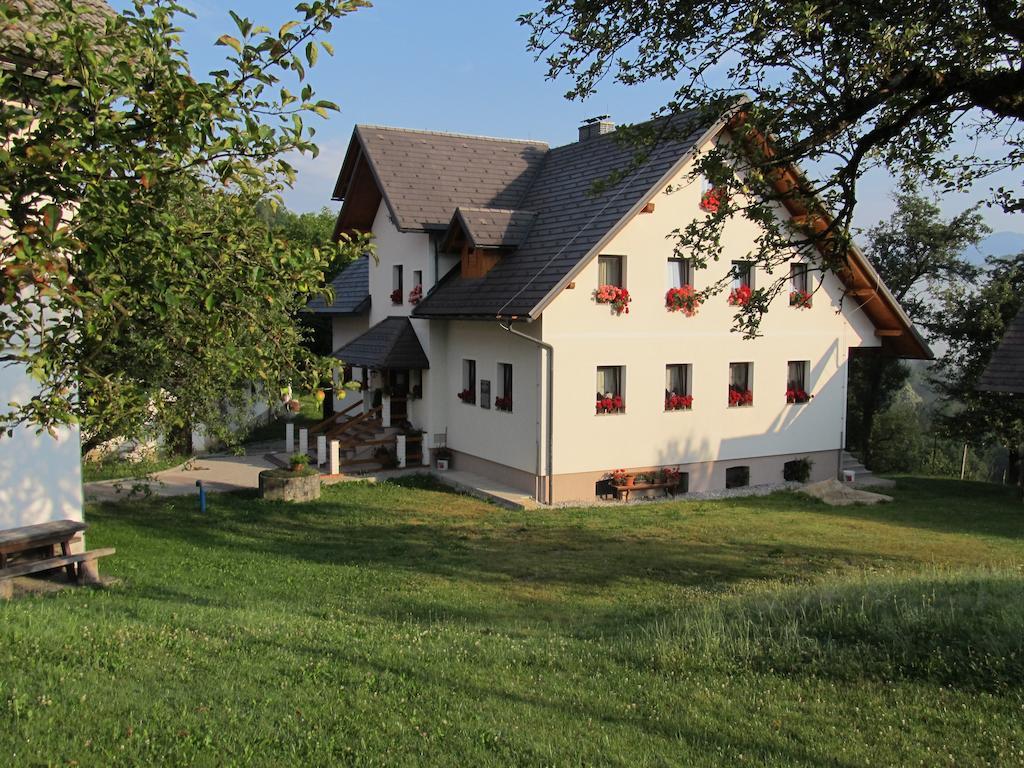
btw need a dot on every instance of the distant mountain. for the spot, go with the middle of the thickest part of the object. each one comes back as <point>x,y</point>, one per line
<point>997,244</point>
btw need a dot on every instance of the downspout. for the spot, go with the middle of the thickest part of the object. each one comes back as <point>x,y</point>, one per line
<point>548,449</point>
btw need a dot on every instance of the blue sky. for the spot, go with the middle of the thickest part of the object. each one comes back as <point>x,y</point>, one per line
<point>453,65</point>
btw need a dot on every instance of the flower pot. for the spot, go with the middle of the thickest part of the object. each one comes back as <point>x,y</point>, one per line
<point>630,480</point>
<point>442,465</point>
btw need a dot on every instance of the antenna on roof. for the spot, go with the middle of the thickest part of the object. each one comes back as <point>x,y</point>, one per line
<point>598,119</point>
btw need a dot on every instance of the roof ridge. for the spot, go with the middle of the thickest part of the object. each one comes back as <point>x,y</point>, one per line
<point>490,208</point>
<point>452,134</point>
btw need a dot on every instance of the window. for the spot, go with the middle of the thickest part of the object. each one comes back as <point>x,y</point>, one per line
<point>609,271</point>
<point>396,285</point>
<point>610,395</point>
<point>798,277</point>
<point>677,387</point>
<point>737,477</point>
<point>741,384</point>
<point>417,277</point>
<point>796,381</point>
<point>416,294</point>
<point>743,274</point>
<point>680,272</point>
<point>503,400</point>
<point>468,393</point>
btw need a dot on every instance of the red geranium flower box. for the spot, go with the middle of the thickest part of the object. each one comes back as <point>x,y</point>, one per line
<point>740,297</point>
<point>611,404</point>
<point>678,402</point>
<point>614,295</point>
<point>739,397</point>
<point>800,299</point>
<point>797,395</point>
<point>467,396</point>
<point>396,296</point>
<point>712,200</point>
<point>683,299</point>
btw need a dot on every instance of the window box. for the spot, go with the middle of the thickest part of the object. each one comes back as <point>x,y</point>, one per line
<point>800,299</point>
<point>712,200</point>
<point>467,396</point>
<point>740,397</point>
<point>614,404</point>
<point>503,403</point>
<point>396,296</point>
<point>617,297</point>
<point>676,402</point>
<point>683,299</point>
<point>740,297</point>
<point>416,294</point>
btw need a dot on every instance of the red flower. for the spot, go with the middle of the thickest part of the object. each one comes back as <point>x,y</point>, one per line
<point>396,296</point>
<point>610,404</point>
<point>467,396</point>
<point>739,397</point>
<point>712,200</point>
<point>503,403</point>
<point>683,299</point>
<point>796,395</point>
<point>614,295</point>
<point>676,402</point>
<point>740,297</point>
<point>414,295</point>
<point>800,299</point>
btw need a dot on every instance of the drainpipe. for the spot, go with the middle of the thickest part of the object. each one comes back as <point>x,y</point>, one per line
<point>548,474</point>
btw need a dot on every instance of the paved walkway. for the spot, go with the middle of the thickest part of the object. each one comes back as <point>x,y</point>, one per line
<point>234,473</point>
<point>218,473</point>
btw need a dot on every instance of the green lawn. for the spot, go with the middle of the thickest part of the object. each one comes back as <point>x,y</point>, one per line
<point>116,468</point>
<point>391,625</point>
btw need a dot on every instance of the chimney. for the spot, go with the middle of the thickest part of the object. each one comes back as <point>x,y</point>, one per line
<point>596,126</point>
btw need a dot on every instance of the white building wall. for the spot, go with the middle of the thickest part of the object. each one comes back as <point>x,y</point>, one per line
<point>586,335</point>
<point>40,476</point>
<point>504,438</point>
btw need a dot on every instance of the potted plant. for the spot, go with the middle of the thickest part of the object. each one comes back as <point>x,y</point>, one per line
<point>674,402</point>
<point>467,396</point>
<point>298,462</point>
<point>396,296</point>
<point>443,458</point>
<point>739,397</point>
<point>740,297</point>
<point>797,395</point>
<point>416,294</point>
<point>683,299</point>
<point>712,200</point>
<point>619,477</point>
<point>614,295</point>
<point>800,299</point>
<point>614,404</point>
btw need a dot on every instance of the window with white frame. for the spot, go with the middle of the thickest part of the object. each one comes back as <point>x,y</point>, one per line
<point>610,271</point>
<point>468,393</point>
<point>416,294</point>
<point>680,272</point>
<point>796,381</point>
<point>677,387</point>
<point>611,396</point>
<point>798,276</point>
<point>503,400</point>
<point>741,384</point>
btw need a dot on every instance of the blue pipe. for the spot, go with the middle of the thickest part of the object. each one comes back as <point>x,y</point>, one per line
<point>202,496</point>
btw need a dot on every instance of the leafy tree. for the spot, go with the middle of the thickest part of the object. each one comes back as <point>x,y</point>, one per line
<point>139,288</point>
<point>313,229</point>
<point>841,87</point>
<point>917,252</point>
<point>973,321</point>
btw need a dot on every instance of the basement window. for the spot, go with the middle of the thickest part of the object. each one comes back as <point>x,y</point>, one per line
<point>737,477</point>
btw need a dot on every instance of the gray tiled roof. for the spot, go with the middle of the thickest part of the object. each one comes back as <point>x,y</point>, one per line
<point>570,221</point>
<point>391,343</point>
<point>351,291</point>
<point>12,35</point>
<point>426,175</point>
<point>494,227</point>
<point>1005,370</point>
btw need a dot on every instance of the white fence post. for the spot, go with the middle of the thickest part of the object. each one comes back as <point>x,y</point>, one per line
<point>335,458</point>
<point>303,441</point>
<point>289,438</point>
<point>424,451</point>
<point>400,450</point>
<point>385,411</point>
<point>321,450</point>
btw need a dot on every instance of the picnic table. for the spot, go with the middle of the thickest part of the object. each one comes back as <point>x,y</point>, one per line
<point>80,567</point>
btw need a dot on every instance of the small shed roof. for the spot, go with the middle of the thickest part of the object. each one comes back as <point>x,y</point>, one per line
<point>391,343</point>
<point>1005,370</point>
<point>351,291</point>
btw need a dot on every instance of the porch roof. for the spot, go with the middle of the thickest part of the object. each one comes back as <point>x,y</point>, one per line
<point>391,343</point>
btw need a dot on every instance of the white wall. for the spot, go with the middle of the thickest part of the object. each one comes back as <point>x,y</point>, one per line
<point>586,335</point>
<point>498,436</point>
<point>40,476</point>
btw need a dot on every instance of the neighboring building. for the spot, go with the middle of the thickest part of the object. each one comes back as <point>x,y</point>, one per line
<point>1005,369</point>
<point>40,475</point>
<point>481,305</point>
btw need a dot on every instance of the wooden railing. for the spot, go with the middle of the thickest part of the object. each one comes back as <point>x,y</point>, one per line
<point>331,420</point>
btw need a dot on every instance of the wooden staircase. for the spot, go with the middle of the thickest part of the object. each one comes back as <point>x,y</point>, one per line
<point>361,436</point>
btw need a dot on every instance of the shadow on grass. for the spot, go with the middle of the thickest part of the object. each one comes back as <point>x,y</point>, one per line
<point>945,506</point>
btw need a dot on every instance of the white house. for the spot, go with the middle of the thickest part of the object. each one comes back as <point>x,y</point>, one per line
<point>483,304</point>
<point>40,474</point>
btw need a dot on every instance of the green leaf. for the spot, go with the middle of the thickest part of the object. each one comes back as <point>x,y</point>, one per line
<point>230,41</point>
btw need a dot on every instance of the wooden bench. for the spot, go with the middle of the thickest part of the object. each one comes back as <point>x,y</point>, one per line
<point>80,567</point>
<point>623,491</point>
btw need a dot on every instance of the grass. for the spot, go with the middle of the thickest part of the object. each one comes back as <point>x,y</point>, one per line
<point>116,468</point>
<point>402,625</point>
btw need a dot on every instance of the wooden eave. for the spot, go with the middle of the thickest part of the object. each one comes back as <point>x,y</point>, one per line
<point>862,282</point>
